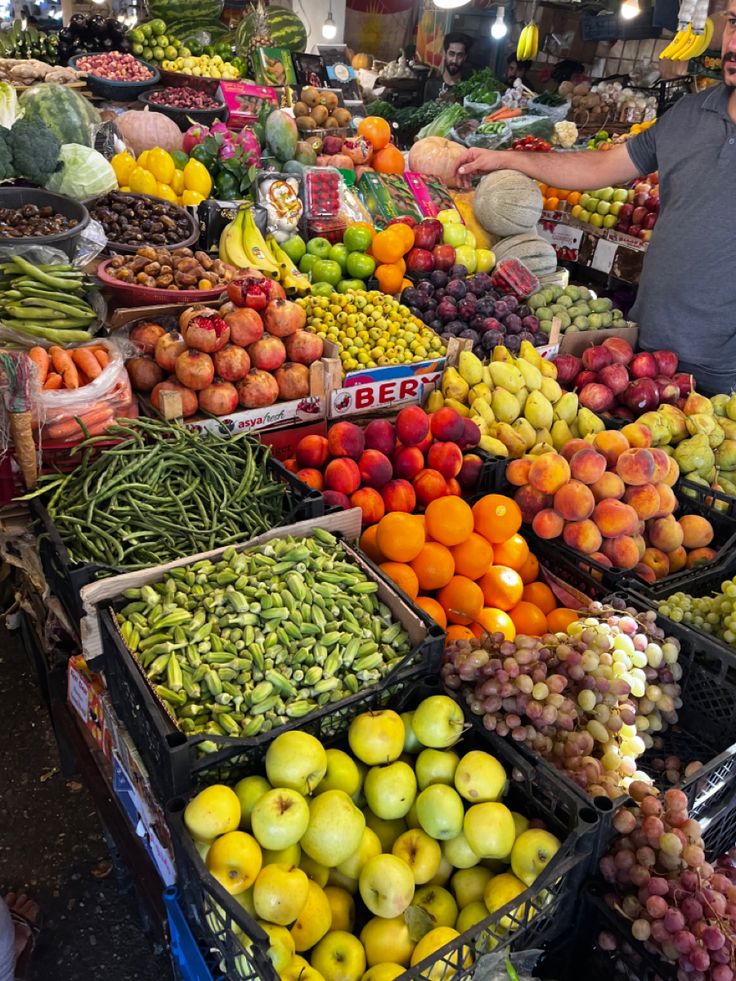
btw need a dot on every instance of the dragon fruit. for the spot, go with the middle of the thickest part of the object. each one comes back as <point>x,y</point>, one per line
<point>195,135</point>
<point>220,127</point>
<point>248,140</point>
<point>228,151</point>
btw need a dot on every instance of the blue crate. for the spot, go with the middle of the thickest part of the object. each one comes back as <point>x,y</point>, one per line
<point>188,961</point>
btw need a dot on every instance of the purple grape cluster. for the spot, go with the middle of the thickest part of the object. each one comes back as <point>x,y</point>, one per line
<point>678,904</point>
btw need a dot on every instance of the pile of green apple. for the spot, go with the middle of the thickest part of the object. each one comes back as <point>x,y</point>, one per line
<point>602,208</point>
<point>340,266</point>
<point>401,834</point>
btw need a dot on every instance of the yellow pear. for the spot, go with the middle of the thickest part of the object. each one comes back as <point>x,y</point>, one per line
<point>506,375</point>
<point>529,353</point>
<point>470,367</point>
<point>524,428</point>
<point>501,353</point>
<point>511,439</point>
<point>484,410</point>
<point>566,407</point>
<point>560,434</point>
<point>454,386</point>
<point>504,405</point>
<point>719,403</point>
<point>551,390</point>
<point>538,410</point>
<point>588,422</point>
<point>540,448</point>
<point>435,401</point>
<point>493,446</point>
<point>458,406</point>
<point>480,391</point>
<point>532,375</point>
<point>548,369</point>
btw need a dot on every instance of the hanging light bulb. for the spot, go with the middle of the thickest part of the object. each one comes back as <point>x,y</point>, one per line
<point>630,9</point>
<point>450,4</point>
<point>499,28</point>
<point>329,28</point>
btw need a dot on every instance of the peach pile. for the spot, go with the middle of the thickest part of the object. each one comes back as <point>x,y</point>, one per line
<point>388,466</point>
<point>612,499</point>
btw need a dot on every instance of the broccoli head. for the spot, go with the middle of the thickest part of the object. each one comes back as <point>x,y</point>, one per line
<point>34,150</point>
<point>6,156</point>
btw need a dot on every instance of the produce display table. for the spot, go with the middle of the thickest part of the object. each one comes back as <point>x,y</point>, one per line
<point>602,250</point>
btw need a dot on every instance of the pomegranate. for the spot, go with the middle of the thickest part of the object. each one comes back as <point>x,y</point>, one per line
<point>144,373</point>
<point>359,150</point>
<point>246,326</point>
<point>206,331</point>
<point>195,370</point>
<point>231,363</point>
<point>282,318</point>
<point>188,398</point>
<point>220,398</point>
<point>304,347</point>
<point>254,291</point>
<point>145,336</point>
<point>168,349</point>
<point>293,381</point>
<point>258,389</point>
<point>269,353</point>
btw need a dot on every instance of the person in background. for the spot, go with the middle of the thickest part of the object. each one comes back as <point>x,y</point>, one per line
<point>517,69</point>
<point>455,46</point>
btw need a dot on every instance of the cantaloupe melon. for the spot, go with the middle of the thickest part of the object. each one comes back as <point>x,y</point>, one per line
<point>507,203</point>
<point>537,255</point>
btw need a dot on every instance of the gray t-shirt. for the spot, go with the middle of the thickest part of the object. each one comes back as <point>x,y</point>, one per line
<point>687,291</point>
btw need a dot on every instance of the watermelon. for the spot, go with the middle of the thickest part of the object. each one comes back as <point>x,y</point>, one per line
<point>68,115</point>
<point>194,11</point>
<point>284,27</point>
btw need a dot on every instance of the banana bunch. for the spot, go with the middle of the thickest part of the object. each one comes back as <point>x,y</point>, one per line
<point>242,245</point>
<point>687,44</point>
<point>528,44</point>
<point>289,275</point>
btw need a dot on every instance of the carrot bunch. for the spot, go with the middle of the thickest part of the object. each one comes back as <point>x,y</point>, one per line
<point>68,369</point>
<point>500,114</point>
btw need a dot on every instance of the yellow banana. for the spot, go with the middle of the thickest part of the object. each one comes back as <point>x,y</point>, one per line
<point>223,248</point>
<point>674,44</point>
<point>232,237</point>
<point>533,49</point>
<point>255,247</point>
<point>522,43</point>
<point>290,276</point>
<point>687,36</point>
<point>702,41</point>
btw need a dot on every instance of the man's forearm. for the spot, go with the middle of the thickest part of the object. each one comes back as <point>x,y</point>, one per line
<point>582,170</point>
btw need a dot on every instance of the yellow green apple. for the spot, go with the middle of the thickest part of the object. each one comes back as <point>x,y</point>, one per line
<point>436,766</point>
<point>438,903</point>
<point>386,885</point>
<point>369,845</point>
<point>438,722</point>
<point>248,791</point>
<point>480,777</point>
<point>420,852</point>
<point>279,893</point>
<point>214,811</point>
<point>458,852</point>
<point>339,957</point>
<point>334,830</point>
<point>296,760</point>
<point>377,737</point>
<point>390,790</point>
<point>489,829</point>
<point>440,812</point>
<point>235,859</point>
<point>314,919</point>
<point>387,939</point>
<point>468,885</point>
<point>531,853</point>
<point>279,818</point>
<point>342,774</point>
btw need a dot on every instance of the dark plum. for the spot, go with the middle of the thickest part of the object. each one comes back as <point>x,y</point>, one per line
<point>456,288</point>
<point>476,323</point>
<point>440,294</point>
<point>438,277</point>
<point>523,311</point>
<point>511,302</point>
<point>486,306</point>
<point>471,334</point>
<point>502,309</point>
<point>427,316</point>
<point>513,343</point>
<point>456,327</point>
<point>446,310</point>
<point>491,323</point>
<point>425,287</point>
<point>540,339</point>
<point>471,296</point>
<point>458,271</point>
<point>416,312</point>
<point>436,325</point>
<point>525,335</point>
<point>446,336</point>
<point>410,295</point>
<point>484,281</point>
<point>530,323</point>
<point>466,310</point>
<point>512,323</point>
<point>491,338</point>
<point>475,285</point>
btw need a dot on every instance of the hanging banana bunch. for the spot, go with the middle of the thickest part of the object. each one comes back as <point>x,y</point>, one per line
<point>527,47</point>
<point>687,44</point>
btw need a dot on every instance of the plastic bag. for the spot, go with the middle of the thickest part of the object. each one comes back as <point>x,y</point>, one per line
<point>279,195</point>
<point>493,967</point>
<point>529,125</point>
<point>555,113</point>
<point>489,141</point>
<point>481,109</point>
<point>57,414</point>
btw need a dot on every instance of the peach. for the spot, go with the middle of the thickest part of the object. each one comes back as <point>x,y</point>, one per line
<point>641,527</point>
<point>408,462</point>
<point>582,535</point>
<point>615,518</point>
<point>571,448</point>
<point>574,501</point>
<point>677,559</point>
<point>608,485</point>
<point>645,572</point>
<point>379,435</point>
<point>611,443</point>
<point>425,444</point>
<point>370,503</point>
<point>700,556</point>
<point>336,499</point>
<point>531,500</point>
<point>429,485</point>
<point>412,425</point>
<point>673,473</point>
<point>342,475</point>
<point>667,500</point>
<point>622,551</point>
<point>454,488</point>
<point>697,531</point>
<point>661,464</point>
<point>548,523</point>
<point>469,472</point>
<point>588,465</point>
<point>665,533</point>
<point>311,477</point>
<point>640,544</point>
<point>549,472</point>
<point>601,559</point>
<point>517,472</point>
<point>447,424</point>
<point>375,469</point>
<point>636,467</point>
<point>637,435</point>
<point>346,439</point>
<point>291,465</point>
<point>312,451</point>
<point>644,499</point>
<point>657,561</point>
<point>399,495</point>
<point>446,458</point>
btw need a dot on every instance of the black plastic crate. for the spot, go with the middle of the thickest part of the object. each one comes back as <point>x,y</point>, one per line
<point>492,478</point>
<point>549,907</point>
<point>174,759</point>
<point>66,579</point>
<point>717,500</point>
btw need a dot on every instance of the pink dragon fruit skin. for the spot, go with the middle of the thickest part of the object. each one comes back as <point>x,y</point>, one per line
<point>248,140</point>
<point>194,136</point>
<point>227,150</point>
<point>220,127</point>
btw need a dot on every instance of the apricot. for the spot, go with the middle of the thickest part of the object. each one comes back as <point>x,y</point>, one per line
<point>587,465</point>
<point>645,572</point>
<point>517,472</point>
<point>412,425</point>
<point>446,458</point>
<point>608,485</point>
<point>311,477</point>
<point>574,501</point>
<point>342,475</point>
<point>644,499</point>
<point>661,464</point>
<point>549,472</point>
<point>572,446</point>
<point>677,559</point>
<point>548,524</point>
<point>611,443</point>
<point>622,551</point>
<point>667,500</point>
<point>615,518</point>
<point>582,535</point>
<point>636,467</point>
<point>346,439</point>
<point>429,485</point>
<point>399,495</point>
<point>656,560</point>
<point>370,503</point>
<point>312,451</point>
<point>665,533</point>
<point>700,556</point>
<point>637,435</point>
<point>697,531</point>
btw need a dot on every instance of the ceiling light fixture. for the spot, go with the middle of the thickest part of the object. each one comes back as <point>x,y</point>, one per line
<point>499,28</point>
<point>329,28</point>
<point>630,9</point>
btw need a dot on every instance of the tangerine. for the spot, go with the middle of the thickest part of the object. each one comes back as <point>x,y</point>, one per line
<point>496,518</point>
<point>528,619</point>
<point>530,570</point>
<point>434,566</point>
<point>389,160</point>
<point>494,621</point>
<point>406,234</point>
<point>389,277</point>
<point>376,130</point>
<point>502,587</point>
<point>369,545</point>
<point>403,575</point>
<point>433,609</point>
<point>560,619</point>
<point>457,632</point>
<point>473,557</point>
<point>400,536</point>
<point>449,520</point>
<point>541,595</point>
<point>462,600</point>
<point>513,552</point>
<point>388,246</point>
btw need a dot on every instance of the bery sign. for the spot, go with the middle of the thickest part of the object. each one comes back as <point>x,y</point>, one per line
<point>378,395</point>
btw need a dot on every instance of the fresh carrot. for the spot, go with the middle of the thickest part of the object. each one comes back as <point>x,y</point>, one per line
<point>53,381</point>
<point>40,358</point>
<point>62,362</point>
<point>103,356</point>
<point>99,414</point>
<point>504,113</point>
<point>86,361</point>
<point>83,379</point>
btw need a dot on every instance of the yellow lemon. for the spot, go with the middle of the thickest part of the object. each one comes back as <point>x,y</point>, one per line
<point>142,181</point>
<point>161,165</point>
<point>143,159</point>
<point>123,164</point>
<point>177,181</point>
<point>165,192</point>
<point>191,198</point>
<point>197,178</point>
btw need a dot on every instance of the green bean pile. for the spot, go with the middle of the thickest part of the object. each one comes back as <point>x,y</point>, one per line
<point>162,492</point>
<point>45,302</point>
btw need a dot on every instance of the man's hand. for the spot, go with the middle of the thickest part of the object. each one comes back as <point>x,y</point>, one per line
<point>477,161</point>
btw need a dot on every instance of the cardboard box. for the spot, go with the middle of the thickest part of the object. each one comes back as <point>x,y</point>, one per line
<point>580,341</point>
<point>87,696</point>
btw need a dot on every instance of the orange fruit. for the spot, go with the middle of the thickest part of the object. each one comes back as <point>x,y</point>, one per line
<point>400,536</point>
<point>456,632</point>
<point>541,595</point>
<point>560,619</point>
<point>551,204</point>
<point>403,575</point>
<point>433,609</point>
<point>462,600</point>
<point>407,237</point>
<point>513,552</point>
<point>502,587</point>
<point>542,187</point>
<point>369,545</point>
<point>530,570</point>
<point>473,557</point>
<point>552,192</point>
<point>494,621</point>
<point>449,520</point>
<point>388,245</point>
<point>496,517</point>
<point>562,194</point>
<point>573,198</point>
<point>406,283</point>
<point>434,566</point>
<point>402,265</point>
<point>390,277</point>
<point>376,130</point>
<point>389,160</point>
<point>528,619</point>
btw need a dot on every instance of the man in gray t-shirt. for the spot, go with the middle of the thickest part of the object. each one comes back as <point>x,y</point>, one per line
<point>687,291</point>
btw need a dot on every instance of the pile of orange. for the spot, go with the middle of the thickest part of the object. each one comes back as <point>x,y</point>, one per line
<point>467,567</point>
<point>388,248</point>
<point>554,198</point>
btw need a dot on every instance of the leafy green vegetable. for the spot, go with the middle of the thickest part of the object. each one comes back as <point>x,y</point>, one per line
<point>84,173</point>
<point>34,151</point>
<point>447,119</point>
<point>6,157</point>
<point>481,86</point>
<point>8,104</point>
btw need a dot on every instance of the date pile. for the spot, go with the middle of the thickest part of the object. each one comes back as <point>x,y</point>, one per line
<point>30,221</point>
<point>133,219</point>
<point>161,269</point>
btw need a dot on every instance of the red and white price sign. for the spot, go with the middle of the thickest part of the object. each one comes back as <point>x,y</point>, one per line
<point>564,238</point>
